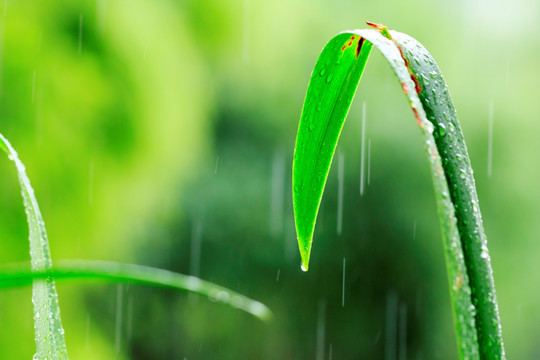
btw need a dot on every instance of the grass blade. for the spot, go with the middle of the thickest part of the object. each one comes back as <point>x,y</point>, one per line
<point>468,267</point>
<point>112,271</point>
<point>49,333</point>
<point>449,139</point>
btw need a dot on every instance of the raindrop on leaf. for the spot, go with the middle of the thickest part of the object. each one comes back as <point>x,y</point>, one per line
<point>442,129</point>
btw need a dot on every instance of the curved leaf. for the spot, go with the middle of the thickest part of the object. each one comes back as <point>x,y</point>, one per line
<point>112,271</point>
<point>327,102</point>
<point>450,142</point>
<point>50,343</point>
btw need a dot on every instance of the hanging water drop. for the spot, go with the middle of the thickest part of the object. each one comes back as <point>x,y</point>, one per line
<point>442,129</point>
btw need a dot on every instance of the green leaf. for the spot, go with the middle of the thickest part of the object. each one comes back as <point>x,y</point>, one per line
<point>49,333</point>
<point>331,89</point>
<point>112,271</point>
<point>472,290</point>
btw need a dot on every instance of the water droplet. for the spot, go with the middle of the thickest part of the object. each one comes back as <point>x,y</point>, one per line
<point>10,157</point>
<point>442,129</point>
<point>311,125</point>
<point>323,71</point>
<point>433,75</point>
<point>484,254</point>
<point>462,173</point>
<point>459,157</point>
<point>303,268</point>
<point>330,78</point>
<point>223,296</point>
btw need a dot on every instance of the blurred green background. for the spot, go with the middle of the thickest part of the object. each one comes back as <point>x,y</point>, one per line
<point>162,132</point>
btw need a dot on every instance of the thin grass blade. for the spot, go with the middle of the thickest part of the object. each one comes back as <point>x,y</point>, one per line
<point>49,333</point>
<point>112,271</point>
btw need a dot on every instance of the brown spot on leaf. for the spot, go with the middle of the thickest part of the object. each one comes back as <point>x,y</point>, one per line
<point>374,25</point>
<point>417,86</point>
<point>459,282</point>
<point>416,83</point>
<point>359,46</point>
<point>434,156</point>
<point>417,116</point>
<point>404,87</point>
<point>383,29</point>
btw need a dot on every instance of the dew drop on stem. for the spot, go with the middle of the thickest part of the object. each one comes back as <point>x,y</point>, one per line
<point>442,130</point>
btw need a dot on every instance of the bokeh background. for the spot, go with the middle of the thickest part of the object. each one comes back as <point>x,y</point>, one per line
<point>162,133</point>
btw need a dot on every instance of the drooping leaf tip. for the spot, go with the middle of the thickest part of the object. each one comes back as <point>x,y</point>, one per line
<point>304,254</point>
<point>261,311</point>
